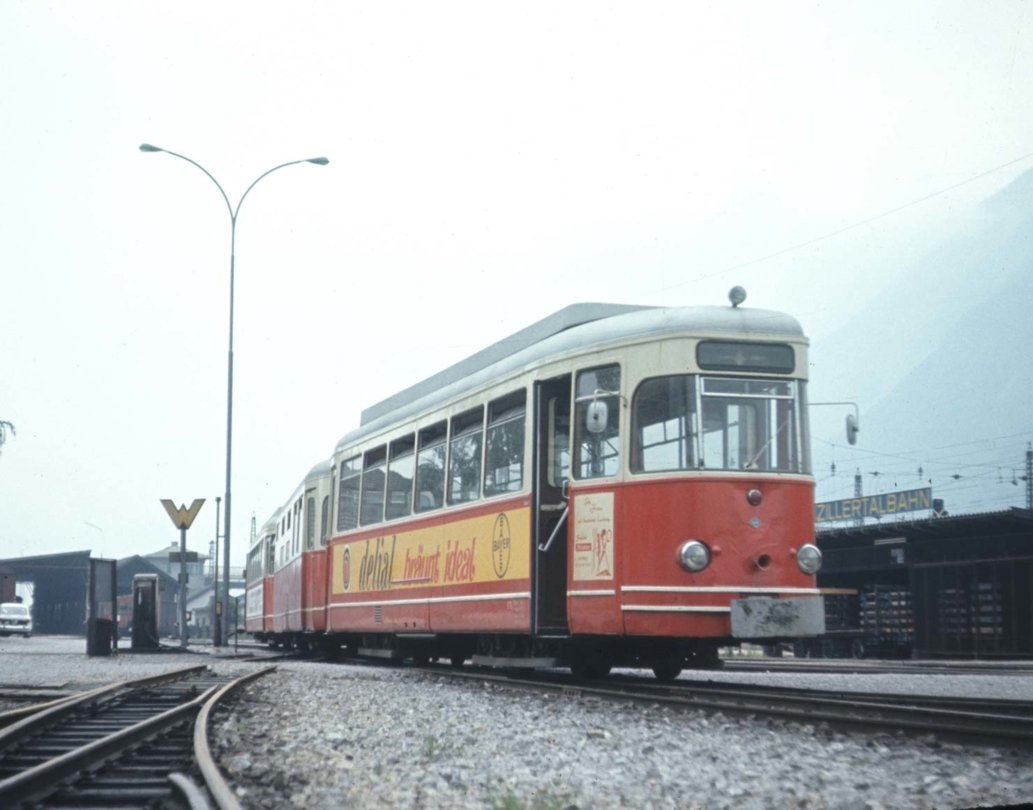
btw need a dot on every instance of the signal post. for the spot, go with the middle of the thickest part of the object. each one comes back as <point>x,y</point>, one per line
<point>182,518</point>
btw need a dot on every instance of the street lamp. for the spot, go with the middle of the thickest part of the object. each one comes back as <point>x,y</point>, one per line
<point>319,161</point>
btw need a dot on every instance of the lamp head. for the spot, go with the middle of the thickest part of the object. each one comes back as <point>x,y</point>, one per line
<point>319,161</point>
<point>146,147</point>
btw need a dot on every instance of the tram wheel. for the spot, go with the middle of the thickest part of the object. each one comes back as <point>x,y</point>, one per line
<point>667,671</point>
<point>457,661</point>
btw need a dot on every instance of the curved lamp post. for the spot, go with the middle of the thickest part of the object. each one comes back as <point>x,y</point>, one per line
<point>319,161</point>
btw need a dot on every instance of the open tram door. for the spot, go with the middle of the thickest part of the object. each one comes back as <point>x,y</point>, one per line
<point>551,474</point>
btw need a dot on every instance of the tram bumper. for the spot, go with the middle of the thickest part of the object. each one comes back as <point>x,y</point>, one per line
<point>760,617</point>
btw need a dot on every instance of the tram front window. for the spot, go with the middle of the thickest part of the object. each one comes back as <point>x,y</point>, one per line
<point>683,422</point>
<point>664,415</point>
<point>751,424</point>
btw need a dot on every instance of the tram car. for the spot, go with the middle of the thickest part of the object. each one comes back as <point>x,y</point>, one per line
<point>299,570</point>
<point>612,486</point>
<point>258,578</point>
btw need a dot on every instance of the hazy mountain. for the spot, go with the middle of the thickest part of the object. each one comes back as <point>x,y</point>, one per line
<point>940,366</point>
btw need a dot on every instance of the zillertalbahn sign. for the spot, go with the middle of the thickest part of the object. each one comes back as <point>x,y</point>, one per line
<point>874,506</point>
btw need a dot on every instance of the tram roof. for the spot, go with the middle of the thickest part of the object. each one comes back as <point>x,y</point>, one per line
<point>323,468</point>
<point>560,321</point>
<point>576,327</point>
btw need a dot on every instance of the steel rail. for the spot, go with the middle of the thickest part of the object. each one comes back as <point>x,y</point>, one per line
<point>1015,708</point>
<point>225,798</point>
<point>57,709</point>
<point>873,666</point>
<point>42,779</point>
<point>922,714</point>
<point>12,716</point>
<point>1011,719</point>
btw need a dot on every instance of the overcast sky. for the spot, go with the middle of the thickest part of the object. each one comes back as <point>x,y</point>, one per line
<point>489,164</point>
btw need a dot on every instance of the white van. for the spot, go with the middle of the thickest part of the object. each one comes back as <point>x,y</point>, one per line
<point>15,618</point>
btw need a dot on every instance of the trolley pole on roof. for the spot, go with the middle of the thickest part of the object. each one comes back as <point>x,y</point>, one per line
<point>318,161</point>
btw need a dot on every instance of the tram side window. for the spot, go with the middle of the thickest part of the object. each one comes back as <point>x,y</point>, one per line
<point>371,509</point>
<point>558,461</point>
<point>430,467</point>
<point>324,521</point>
<point>310,523</point>
<point>504,453</point>
<point>662,418</point>
<point>596,422</point>
<point>296,537</point>
<point>400,469</point>
<point>348,494</point>
<point>464,457</point>
<point>254,564</point>
<point>270,554</point>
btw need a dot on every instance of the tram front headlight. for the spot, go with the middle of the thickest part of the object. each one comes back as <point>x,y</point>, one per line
<point>809,558</point>
<point>693,555</point>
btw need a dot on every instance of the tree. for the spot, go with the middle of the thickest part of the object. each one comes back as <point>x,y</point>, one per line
<point>5,427</point>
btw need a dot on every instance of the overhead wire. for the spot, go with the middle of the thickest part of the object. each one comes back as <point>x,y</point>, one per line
<point>852,226</point>
<point>955,477</point>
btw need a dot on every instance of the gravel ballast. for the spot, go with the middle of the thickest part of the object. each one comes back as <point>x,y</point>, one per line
<point>319,735</point>
<point>331,736</point>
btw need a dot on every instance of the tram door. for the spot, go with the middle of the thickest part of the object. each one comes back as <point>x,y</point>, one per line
<point>551,471</point>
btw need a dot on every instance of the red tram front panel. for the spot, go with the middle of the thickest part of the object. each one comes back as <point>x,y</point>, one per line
<point>624,574</point>
<point>465,571</point>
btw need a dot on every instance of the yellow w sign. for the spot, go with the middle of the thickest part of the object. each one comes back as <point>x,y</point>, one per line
<point>182,516</point>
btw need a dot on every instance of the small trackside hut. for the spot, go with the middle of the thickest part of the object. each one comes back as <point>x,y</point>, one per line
<point>612,486</point>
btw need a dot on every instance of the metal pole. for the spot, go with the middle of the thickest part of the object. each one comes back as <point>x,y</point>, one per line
<point>217,618</point>
<point>229,411</point>
<point>1029,476</point>
<point>318,161</point>
<point>183,587</point>
<point>858,492</point>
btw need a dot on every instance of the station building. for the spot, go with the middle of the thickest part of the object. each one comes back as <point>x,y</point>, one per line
<point>941,587</point>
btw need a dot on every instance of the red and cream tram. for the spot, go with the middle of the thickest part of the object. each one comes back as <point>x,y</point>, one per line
<point>612,486</point>
<point>258,579</point>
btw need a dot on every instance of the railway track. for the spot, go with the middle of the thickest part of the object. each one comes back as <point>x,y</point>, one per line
<point>972,720</point>
<point>880,667</point>
<point>131,744</point>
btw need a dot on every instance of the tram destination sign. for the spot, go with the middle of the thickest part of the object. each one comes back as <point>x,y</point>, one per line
<point>874,506</point>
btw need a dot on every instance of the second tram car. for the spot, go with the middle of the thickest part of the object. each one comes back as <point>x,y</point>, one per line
<point>258,577</point>
<point>613,486</point>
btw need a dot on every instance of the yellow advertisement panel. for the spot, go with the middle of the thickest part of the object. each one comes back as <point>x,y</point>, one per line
<point>483,549</point>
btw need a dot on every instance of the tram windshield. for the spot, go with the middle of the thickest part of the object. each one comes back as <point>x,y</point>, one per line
<point>687,422</point>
